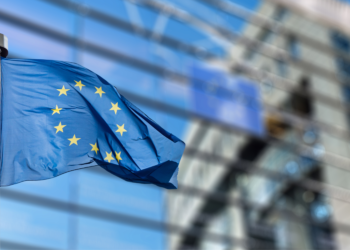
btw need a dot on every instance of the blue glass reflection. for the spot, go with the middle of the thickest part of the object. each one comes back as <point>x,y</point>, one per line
<point>292,168</point>
<point>347,93</point>
<point>343,67</point>
<point>280,14</point>
<point>340,41</point>
<point>293,47</point>
<point>320,211</point>
<point>310,136</point>
<point>318,150</point>
<point>306,163</point>
<point>282,68</point>
<point>267,86</point>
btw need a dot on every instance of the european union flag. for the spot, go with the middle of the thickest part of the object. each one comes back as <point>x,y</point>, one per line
<point>59,116</point>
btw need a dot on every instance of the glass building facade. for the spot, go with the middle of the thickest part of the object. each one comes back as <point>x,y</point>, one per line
<point>278,192</point>
<point>286,189</point>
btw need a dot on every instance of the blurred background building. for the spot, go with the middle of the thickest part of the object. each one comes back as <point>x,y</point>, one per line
<point>258,90</point>
<point>266,195</point>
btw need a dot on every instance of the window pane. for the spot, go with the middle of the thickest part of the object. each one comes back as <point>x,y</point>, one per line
<point>33,225</point>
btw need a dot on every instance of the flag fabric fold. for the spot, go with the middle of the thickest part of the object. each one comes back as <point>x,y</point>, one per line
<point>58,117</point>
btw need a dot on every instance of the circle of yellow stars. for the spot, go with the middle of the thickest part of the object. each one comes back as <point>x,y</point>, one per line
<point>74,140</point>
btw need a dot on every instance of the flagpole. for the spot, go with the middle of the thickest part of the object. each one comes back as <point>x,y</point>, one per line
<point>3,45</point>
<point>4,53</point>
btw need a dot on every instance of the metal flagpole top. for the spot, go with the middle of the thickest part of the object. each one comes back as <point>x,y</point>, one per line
<point>3,45</point>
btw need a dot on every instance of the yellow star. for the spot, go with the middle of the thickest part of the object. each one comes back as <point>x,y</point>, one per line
<point>63,90</point>
<point>79,84</point>
<point>56,110</point>
<point>94,147</point>
<point>99,91</point>
<point>59,127</point>
<point>74,140</point>
<point>115,107</point>
<point>117,156</point>
<point>121,129</point>
<point>109,157</point>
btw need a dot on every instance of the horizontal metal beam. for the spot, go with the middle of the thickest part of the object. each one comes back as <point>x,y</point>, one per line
<point>11,245</point>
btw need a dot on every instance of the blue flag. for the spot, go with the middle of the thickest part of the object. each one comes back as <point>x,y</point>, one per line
<point>58,117</point>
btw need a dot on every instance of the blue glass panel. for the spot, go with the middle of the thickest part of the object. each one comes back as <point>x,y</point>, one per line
<point>39,12</point>
<point>96,234</point>
<point>225,98</point>
<point>102,190</point>
<point>340,41</point>
<point>265,36</point>
<point>347,93</point>
<point>33,225</point>
<point>35,46</point>
<point>293,47</point>
<point>282,68</point>
<point>55,188</point>
<point>343,67</point>
<point>320,211</point>
<point>280,14</point>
